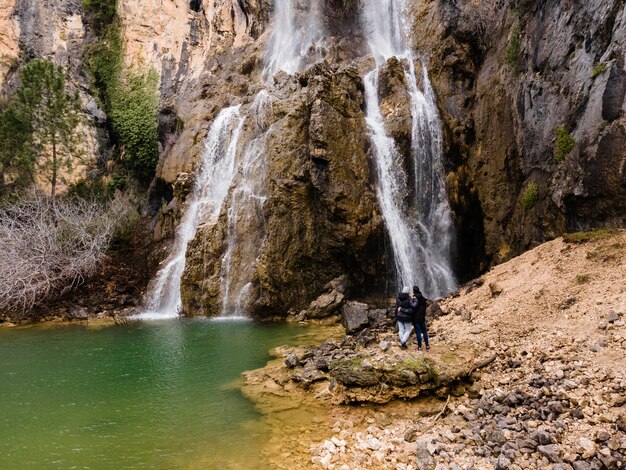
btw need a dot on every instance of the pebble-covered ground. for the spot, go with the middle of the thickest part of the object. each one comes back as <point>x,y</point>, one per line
<point>554,397</point>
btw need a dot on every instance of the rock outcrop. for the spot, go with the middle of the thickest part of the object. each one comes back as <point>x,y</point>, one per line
<point>320,218</point>
<point>507,76</point>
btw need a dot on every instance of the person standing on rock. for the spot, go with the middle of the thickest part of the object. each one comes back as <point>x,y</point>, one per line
<point>419,317</point>
<point>404,316</point>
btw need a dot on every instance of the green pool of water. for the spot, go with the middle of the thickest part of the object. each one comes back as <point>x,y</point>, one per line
<point>151,395</point>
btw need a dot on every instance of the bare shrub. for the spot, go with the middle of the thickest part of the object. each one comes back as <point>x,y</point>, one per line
<point>49,247</point>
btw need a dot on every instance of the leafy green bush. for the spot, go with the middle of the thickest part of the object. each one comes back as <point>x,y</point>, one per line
<point>131,101</point>
<point>100,13</point>
<point>564,144</point>
<point>597,70</point>
<point>513,49</point>
<point>134,118</point>
<point>529,198</point>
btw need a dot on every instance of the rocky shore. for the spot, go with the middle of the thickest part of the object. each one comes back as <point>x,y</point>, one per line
<point>527,370</point>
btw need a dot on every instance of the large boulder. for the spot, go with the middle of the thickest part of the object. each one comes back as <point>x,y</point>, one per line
<point>354,316</point>
<point>325,305</point>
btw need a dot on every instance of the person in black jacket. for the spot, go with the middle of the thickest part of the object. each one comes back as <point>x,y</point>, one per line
<point>404,316</point>
<point>419,317</point>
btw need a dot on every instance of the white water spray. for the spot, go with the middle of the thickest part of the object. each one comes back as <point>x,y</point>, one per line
<point>421,230</point>
<point>210,189</point>
<point>296,31</point>
<point>246,222</point>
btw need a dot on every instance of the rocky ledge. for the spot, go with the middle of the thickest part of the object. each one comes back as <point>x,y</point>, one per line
<point>527,370</point>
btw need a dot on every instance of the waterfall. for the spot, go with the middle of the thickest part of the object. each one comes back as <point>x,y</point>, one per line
<point>421,231</point>
<point>296,30</point>
<point>246,223</point>
<point>210,188</point>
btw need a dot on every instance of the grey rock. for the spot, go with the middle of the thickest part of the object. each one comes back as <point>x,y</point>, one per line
<point>561,466</point>
<point>552,452</point>
<point>526,445</point>
<point>612,317</point>
<point>384,345</point>
<point>78,313</point>
<point>544,438</point>
<point>608,460</point>
<point>354,316</point>
<point>581,465</point>
<point>434,310</point>
<point>291,361</point>
<point>339,284</point>
<point>620,422</point>
<point>308,376</point>
<point>602,435</point>
<point>377,315</point>
<point>613,96</point>
<point>410,435</point>
<point>424,460</point>
<point>325,305</point>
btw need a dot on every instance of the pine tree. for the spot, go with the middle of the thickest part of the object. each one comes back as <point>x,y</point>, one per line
<point>49,119</point>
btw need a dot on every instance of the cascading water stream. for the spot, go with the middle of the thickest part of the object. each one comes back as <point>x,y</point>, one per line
<point>420,230</point>
<point>209,191</point>
<point>294,33</point>
<point>246,224</point>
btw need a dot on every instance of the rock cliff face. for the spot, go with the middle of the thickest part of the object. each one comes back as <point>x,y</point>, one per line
<point>501,108</point>
<point>518,83</point>
<point>502,104</point>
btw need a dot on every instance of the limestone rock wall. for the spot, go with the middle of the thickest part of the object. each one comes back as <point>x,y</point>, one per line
<point>501,115</point>
<point>9,36</point>
<point>320,219</point>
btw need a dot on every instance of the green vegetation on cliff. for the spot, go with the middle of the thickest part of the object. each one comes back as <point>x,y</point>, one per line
<point>564,143</point>
<point>529,198</point>
<point>513,49</point>
<point>100,13</point>
<point>130,98</point>
<point>597,70</point>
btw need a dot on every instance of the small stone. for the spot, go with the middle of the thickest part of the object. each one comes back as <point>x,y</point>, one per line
<point>619,323</point>
<point>602,435</point>
<point>503,463</point>
<point>552,452</point>
<point>587,447</point>
<point>384,345</point>
<point>544,438</point>
<point>329,446</point>
<point>608,461</point>
<point>410,435</point>
<point>559,374</point>
<point>338,442</point>
<point>603,325</point>
<point>424,459</point>
<point>620,422</point>
<point>291,361</point>
<point>581,465</point>
<point>612,317</point>
<point>561,466</point>
<point>596,347</point>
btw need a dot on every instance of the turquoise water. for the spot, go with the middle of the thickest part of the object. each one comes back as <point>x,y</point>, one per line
<point>151,395</point>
